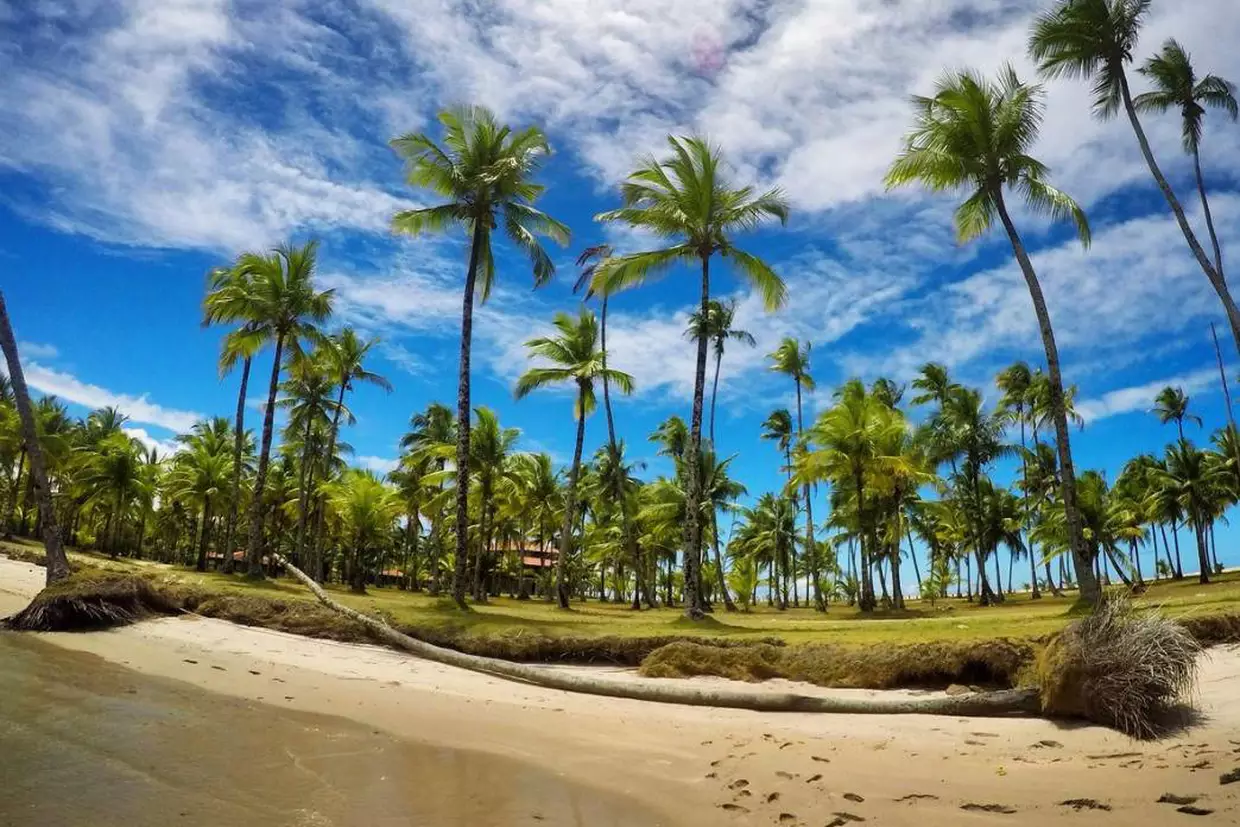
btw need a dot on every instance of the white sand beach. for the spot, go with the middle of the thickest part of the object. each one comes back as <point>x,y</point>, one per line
<point>701,766</point>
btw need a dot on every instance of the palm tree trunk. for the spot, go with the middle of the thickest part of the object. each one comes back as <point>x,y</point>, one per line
<point>912,553</point>
<point>714,394</point>
<point>1136,561</point>
<point>303,495</point>
<point>722,581</point>
<point>867,601</point>
<point>693,481</point>
<point>462,425</point>
<point>809,513</point>
<point>254,559</point>
<point>1179,565</point>
<point>1203,556</point>
<point>485,518</point>
<point>1213,549</point>
<point>570,500</point>
<point>205,535</point>
<point>1024,496</point>
<point>235,491</point>
<point>10,520</point>
<point>57,562</point>
<point>1214,275</point>
<point>1205,209</point>
<point>116,524</point>
<point>1090,593</point>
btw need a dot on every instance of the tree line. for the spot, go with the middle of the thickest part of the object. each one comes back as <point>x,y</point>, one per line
<point>973,134</point>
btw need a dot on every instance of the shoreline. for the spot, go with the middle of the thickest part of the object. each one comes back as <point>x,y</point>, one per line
<point>702,766</point>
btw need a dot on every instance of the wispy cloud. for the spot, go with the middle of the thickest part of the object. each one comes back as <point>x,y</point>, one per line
<point>35,350</point>
<point>137,408</point>
<point>1141,397</point>
<point>381,465</point>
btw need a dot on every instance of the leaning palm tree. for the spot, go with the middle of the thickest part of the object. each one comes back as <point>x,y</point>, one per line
<point>688,197</point>
<point>57,562</point>
<point>975,134</point>
<point>574,356</point>
<point>791,359</point>
<point>484,171</point>
<point>1171,405</point>
<point>1093,40</point>
<point>1176,87</point>
<point>287,309</point>
<point>231,299</point>
<point>716,326</point>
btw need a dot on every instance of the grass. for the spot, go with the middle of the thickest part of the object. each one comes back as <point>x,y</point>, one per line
<point>924,645</point>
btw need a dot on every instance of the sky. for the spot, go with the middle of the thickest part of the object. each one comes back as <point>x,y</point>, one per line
<point>146,141</point>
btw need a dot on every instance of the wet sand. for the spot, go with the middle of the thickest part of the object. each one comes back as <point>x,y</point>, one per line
<point>87,742</point>
<point>700,766</point>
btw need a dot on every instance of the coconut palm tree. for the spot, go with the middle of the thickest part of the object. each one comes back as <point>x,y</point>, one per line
<point>111,477</point>
<point>490,453</point>
<point>791,359</point>
<point>230,299</point>
<point>976,134</point>
<point>200,475</point>
<point>57,562</point>
<point>367,509</point>
<point>767,533</point>
<point>484,171</point>
<point>716,326</point>
<point>1094,40</point>
<point>1171,405</point>
<point>344,362</point>
<point>1176,87</point>
<point>1190,478</point>
<point>1015,382</point>
<point>688,197</point>
<point>431,433</point>
<point>287,310</point>
<point>574,356</point>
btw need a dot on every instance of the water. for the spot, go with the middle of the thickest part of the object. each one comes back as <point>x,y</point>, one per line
<point>86,742</point>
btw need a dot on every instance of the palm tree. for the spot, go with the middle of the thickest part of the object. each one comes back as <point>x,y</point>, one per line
<point>976,134</point>
<point>768,535</point>
<point>287,309</point>
<point>344,356</point>
<point>367,508</point>
<point>484,171</point>
<point>687,196</point>
<point>589,262</point>
<point>1176,86</point>
<point>576,357</point>
<point>57,562</point>
<point>230,299</point>
<point>490,452</point>
<point>1016,382</point>
<point>791,359</point>
<point>200,474</point>
<point>719,493</point>
<point>1093,40</point>
<point>1171,404</point>
<point>1190,479</point>
<point>112,476</point>
<point>432,431</point>
<point>716,326</point>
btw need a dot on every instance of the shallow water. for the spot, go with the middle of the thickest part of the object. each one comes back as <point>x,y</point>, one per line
<point>86,742</point>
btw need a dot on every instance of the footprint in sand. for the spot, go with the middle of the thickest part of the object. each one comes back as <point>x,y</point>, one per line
<point>848,816</point>
<point>787,818</point>
<point>1079,804</point>
<point>739,784</point>
<point>1190,810</point>
<point>1172,798</point>
<point>988,808</point>
<point>818,777</point>
<point>733,808</point>
<point>1045,744</point>
<point>854,798</point>
<point>917,797</point>
<point>771,798</point>
<point>820,759</point>
<point>1229,777</point>
<point>787,776</point>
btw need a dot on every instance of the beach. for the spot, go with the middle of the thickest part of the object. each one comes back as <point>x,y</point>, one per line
<point>679,765</point>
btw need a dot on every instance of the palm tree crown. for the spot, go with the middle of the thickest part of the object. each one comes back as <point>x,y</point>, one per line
<point>1176,87</point>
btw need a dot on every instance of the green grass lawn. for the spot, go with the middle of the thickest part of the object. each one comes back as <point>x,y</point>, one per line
<point>949,621</point>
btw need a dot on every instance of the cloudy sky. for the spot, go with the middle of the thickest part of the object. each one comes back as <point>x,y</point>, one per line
<point>145,141</point>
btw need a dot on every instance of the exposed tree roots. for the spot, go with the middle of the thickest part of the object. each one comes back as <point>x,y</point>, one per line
<point>84,603</point>
<point>1002,703</point>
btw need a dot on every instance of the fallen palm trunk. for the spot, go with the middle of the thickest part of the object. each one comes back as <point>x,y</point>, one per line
<point>990,704</point>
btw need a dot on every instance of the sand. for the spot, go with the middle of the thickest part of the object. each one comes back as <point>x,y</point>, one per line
<point>705,767</point>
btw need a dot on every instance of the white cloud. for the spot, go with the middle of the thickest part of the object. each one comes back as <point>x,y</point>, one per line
<point>35,350</point>
<point>1141,397</point>
<point>380,465</point>
<point>137,408</point>
<point>164,447</point>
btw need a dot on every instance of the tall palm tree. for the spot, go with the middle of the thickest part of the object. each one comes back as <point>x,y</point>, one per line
<point>490,453</point>
<point>287,310</point>
<point>1015,382</point>
<point>716,326</point>
<point>430,430</point>
<point>57,562</point>
<point>485,172</point>
<point>1190,478</point>
<point>1171,404</point>
<point>688,197</point>
<point>574,356</point>
<point>1094,40</point>
<point>230,299</point>
<point>111,477</point>
<point>976,134</point>
<point>344,355</point>
<point>199,476</point>
<point>791,359</point>
<point>1176,87</point>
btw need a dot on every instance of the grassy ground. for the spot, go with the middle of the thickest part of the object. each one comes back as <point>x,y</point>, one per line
<point>950,621</point>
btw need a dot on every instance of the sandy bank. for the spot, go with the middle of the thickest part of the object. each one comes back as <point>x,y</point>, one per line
<point>706,766</point>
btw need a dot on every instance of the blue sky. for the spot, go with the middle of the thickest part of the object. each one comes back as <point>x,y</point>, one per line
<point>146,141</point>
